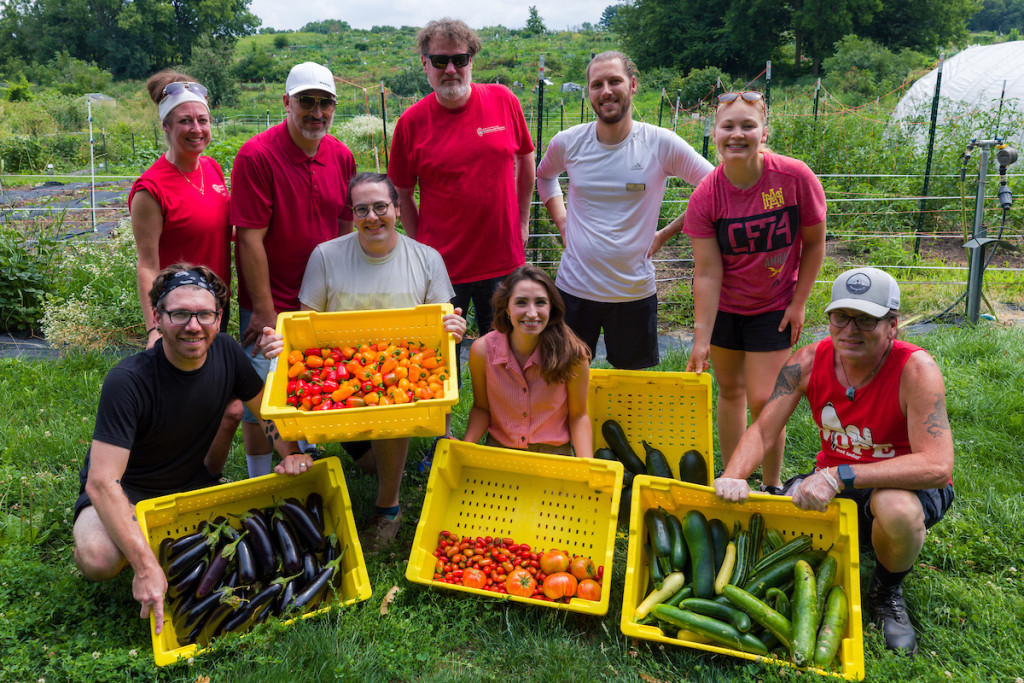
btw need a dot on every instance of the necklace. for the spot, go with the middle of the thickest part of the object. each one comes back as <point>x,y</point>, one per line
<point>202,179</point>
<point>850,389</point>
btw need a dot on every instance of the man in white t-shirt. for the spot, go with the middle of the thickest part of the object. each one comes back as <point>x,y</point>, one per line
<point>373,268</point>
<point>617,169</point>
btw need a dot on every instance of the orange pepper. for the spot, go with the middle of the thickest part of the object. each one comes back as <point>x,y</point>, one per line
<point>416,358</point>
<point>436,389</point>
<point>296,369</point>
<point>328,362</point>
<point>314,361</point>
<point>429,352</point>
<point>295,357</point>
<point>342,392</point>
<point>404,384</point>
<point>372,398</point>
<point>384,401</point>
<point>348,352</point>
<point>402,371</point>
<point>388,365</point>
<point>430,363</point>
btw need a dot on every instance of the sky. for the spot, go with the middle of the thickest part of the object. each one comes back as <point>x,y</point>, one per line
<point>556,14</point>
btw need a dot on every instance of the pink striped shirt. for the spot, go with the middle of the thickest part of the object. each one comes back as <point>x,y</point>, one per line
<point>524,408</point>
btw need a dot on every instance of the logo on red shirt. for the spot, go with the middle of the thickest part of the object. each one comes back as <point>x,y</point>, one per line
<point>490,129</point>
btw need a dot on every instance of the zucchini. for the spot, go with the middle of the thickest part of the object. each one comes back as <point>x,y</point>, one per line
<point>604,454</point>
<point>617,441</point>
<point>657,464</point>
<point>757,527</point>
<point>796,546</point>
<point>718,631</point>
<point>719,540</point>
<point>626,504</point>
<point>805,619</point>
<point>657,576</point>
<point>681,594</point>
<point>675,528</point>
<point>833,623</point>
<point>825,574</point>
<point>744,559</point>
<point>693,468</point>
<point>673,584</point>
<point>778,625</point>
<point>702,560</point>
<point>716,610</point>
<point>726,570</point>
<point>772,541</point>
<point>660,537</point>
<point>779,601</point>
<point>780,573</point>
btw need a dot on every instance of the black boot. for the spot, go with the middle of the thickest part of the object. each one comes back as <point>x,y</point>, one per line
<point>890,612</point>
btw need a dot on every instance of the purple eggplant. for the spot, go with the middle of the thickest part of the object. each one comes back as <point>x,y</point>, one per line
<point>310,568</point>
<point>311,595</point>
<point>286,545</point>
<point>315,505</point>
<point>212,627</point>
<point>188,559</point>
<point>259,543</point>
<point>306,528</point>
<point>186,541</point>
<point>202,607</point>
<point>243,617</point>
<point>187,582</point>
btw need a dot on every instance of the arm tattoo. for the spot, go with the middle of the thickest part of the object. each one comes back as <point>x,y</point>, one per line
<point>273,436</point>
<point>937,422</point>
<point>787,382</point>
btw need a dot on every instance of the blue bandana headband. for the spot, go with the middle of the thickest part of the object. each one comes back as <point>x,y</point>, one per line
<point>187,277</point>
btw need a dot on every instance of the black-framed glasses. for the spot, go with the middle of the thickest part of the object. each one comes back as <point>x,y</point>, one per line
<point>441,61</point>
<point>183,317</point>
<point>363,210</point>
<point>309,103</point>
<point>864,323</point>
<point>177,87</point>
<point>746,95</point>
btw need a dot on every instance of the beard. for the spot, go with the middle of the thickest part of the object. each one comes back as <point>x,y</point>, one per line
<point>625,106</point>
<point>453,90</point>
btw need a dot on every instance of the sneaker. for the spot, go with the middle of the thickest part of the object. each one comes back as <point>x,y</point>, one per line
<point>771,490</point>
<point>380,531</point>
<point>890,612</point>
<point>428,455</point>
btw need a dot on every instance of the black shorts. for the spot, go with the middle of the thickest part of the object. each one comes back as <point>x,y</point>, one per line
<point>630,329</point>
<point>755,333</point>
<point>202,479</point>
<point>934,503</point>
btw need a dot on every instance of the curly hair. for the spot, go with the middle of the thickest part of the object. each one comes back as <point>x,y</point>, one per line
<point>449,29</point>
<point>220,289</point>
<point>560,349</point>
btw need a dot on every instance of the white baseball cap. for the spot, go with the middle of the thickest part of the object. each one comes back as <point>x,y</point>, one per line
<point>868,290</point>
<point>309,76</point>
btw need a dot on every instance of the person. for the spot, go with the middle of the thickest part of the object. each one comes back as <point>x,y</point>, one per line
<point>289,187</point>
<point>530,373</point>
<point>158,413</point>
<point>375,268</point>
<point>617,169</point>
<point>757,227</point>
<point>179,208</point>
<point>468,149</point>
<point>880,406</point>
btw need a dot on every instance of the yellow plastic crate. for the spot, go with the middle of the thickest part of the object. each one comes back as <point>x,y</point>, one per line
<point>836,528</point>
<point>669,410</point>
<point>305,329</point>
<point>179,514</point>
<point>545,501</point>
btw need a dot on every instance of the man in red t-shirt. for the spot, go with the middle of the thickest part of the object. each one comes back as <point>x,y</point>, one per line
<point>469,150</point>
<point>288,194</point>
<point>880,406</point>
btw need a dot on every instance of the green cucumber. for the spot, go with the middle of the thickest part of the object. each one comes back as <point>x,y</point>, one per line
<point>678,556</point>
<point>757,528</point>
<point>778,625</point>
<point>660,538</point>
<point>744,560</point>
<point>702,554</point>
<point>805,617</point>
<point>718,631</point>
<point>717,610</point>
<point>693,468</point>
<point>796,546</point>
<point>657,465</point>
<point>604,454</point>
<point>825,575</point>
<point>617,441</point>
<point>779,601</point>
<point>719,541</point>
<point>833,623</point>
<point>683,593</point>
<point>780,573</point>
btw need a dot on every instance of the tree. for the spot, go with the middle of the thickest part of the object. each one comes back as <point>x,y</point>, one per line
<point>820,23</point>
<point>1001,16</point>
<point>924,25</point>
<point>534,24</point>
<point>211,66</point>
<point>608,16</point>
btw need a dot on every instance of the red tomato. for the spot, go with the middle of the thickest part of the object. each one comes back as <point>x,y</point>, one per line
<point>560,585</point>
<point>582,568</point>
<point>474,578</point>
<point>554,561</point>
<point>589,590</point>
<point>520,582</point>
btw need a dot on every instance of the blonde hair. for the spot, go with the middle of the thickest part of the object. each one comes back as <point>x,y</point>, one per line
<point>759,105</point>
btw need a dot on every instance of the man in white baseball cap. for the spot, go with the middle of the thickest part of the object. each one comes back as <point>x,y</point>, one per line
<point>880,406</point>
<point>289,189</point>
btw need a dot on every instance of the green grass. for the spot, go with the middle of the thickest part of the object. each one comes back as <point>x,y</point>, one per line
<point>964,596</point>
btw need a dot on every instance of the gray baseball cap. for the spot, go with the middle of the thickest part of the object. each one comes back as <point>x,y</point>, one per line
<point>309,76</point>
<point>868,290</point>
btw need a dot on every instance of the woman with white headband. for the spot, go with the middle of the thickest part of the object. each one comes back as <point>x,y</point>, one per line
<point>179,206</point>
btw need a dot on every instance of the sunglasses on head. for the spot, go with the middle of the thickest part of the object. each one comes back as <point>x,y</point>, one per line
<point>308,102</point>
<point>747,95</point>
<point>441,61</point>
<point>178,86</point>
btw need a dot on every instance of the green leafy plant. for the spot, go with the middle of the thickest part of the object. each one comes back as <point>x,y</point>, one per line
<point>25,266</point>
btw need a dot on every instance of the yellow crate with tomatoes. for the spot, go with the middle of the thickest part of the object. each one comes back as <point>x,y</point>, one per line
<point>362,375</point>
<point>501,510</point>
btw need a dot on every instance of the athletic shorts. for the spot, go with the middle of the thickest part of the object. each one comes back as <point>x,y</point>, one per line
<point>630,329</point>
<point>202,479</point>
<point>259,363</point>
<point>755,333</point>
<point>934,503</point>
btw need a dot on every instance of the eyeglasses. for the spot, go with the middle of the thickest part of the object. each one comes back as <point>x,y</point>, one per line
<point>864,323</point>
<point>183,317</point>
<point>441,61</point>
<point>747,95</point>
<point>177,87</point>
<point>309,103</point>
<point>363,210</point>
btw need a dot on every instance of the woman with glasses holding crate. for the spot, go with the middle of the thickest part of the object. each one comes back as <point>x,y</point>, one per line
<point>757,227</point>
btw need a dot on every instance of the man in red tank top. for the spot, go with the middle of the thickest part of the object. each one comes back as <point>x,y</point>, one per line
<point>880,406</point>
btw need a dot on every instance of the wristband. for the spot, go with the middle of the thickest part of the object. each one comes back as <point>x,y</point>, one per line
<point>150,330</point>
<point>831,479</point>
